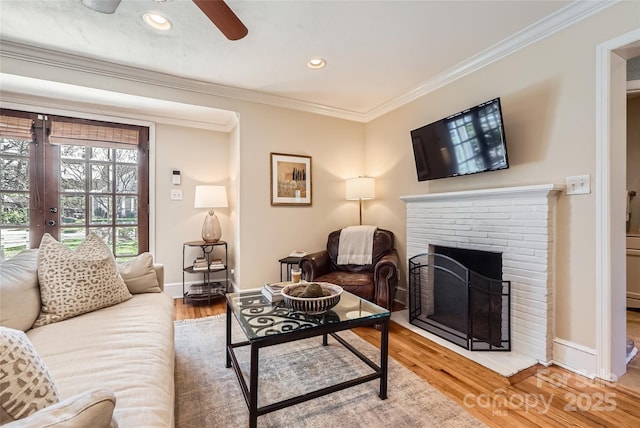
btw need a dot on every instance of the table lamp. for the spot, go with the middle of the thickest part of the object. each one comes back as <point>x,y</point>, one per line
<point>211,197</point>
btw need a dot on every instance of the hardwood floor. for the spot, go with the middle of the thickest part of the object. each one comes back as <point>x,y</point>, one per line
<point>539,396</point>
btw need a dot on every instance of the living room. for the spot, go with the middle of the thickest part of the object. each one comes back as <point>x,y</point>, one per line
<point>552,109</point>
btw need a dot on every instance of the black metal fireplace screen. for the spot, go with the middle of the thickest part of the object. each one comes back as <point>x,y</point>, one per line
<point>458,304</point>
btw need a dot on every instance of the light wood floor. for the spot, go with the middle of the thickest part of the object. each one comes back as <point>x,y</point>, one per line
<point>540,396</point>
<point>631,379</point>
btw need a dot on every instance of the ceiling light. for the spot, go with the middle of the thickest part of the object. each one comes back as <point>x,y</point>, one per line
<point>316,62</point>
<point>157,21</point>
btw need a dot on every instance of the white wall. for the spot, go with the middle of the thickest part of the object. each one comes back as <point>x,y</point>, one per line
<point>202,156</point>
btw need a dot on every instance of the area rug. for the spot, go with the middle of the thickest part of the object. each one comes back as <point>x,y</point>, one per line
<point>208,394</point>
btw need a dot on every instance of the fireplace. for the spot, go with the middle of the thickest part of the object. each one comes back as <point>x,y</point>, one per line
<point>516,222</point>
<point>458,294</point>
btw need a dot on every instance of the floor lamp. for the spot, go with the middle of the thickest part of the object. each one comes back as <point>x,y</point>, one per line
<point>360,189</point>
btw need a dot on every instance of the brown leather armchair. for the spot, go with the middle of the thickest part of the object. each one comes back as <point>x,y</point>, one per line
<point>376,282</point>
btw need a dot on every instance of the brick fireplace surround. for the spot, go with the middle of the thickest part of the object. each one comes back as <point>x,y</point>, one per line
<point>518,222</point>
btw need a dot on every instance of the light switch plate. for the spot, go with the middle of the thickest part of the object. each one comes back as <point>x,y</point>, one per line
<point>579,184</point>
<point>176,194</point>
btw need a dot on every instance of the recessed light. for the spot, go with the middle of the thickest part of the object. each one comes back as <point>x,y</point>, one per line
<point>157,21</point>
<point>316,62</point>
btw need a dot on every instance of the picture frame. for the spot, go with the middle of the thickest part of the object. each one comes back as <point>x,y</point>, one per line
<point>290,179</point>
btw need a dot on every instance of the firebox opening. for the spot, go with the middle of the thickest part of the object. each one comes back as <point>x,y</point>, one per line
<point>459,295</point>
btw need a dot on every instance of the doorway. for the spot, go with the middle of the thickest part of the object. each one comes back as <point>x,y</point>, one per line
<point>611,60</point>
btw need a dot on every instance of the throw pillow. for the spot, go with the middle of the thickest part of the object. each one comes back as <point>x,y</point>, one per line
<point>76,282</point>
<point>19,291</point>
<point>93,409</point>
<point>139,274</point>
<point>25,383</point>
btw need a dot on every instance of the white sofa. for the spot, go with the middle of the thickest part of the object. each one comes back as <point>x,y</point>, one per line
<point>127,348</point>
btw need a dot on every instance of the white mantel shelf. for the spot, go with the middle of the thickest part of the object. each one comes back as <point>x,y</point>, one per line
<point>507,192</point>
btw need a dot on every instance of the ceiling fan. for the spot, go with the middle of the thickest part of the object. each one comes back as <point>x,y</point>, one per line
<point>217,11</point>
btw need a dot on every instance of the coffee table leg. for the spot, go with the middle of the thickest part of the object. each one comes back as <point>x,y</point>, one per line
<point>325,342</point>
<point>384,357</point>
<point>253,387</point>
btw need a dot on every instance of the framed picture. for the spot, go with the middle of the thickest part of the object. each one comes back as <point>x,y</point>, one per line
<point>290,179</point>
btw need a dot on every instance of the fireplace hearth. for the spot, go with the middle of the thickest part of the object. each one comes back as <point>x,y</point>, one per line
<point>456,294</point>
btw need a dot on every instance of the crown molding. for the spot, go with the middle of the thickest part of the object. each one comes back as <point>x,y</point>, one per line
<point>565,17</point>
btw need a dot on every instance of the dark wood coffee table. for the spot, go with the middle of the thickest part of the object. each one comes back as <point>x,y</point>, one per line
<point>265,324</point>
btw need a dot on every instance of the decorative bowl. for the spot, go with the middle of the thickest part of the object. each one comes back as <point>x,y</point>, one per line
<point>312,305</point>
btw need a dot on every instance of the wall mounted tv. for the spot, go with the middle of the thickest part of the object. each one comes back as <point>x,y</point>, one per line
<point>468,142</point>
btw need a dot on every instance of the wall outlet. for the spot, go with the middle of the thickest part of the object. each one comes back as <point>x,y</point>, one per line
<point>579,184</point>
<point>176,194</point>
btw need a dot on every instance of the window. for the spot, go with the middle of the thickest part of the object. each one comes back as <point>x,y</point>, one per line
<point>69,177</point>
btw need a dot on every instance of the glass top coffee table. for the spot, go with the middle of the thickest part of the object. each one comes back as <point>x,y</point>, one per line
<point>267,324</point>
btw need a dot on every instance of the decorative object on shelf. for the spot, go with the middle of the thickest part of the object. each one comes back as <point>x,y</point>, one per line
<point>290,179</point>
<point>216,264</point>
<point>313,298</point>
<point>360,189</point>
<point>211,197</point>
<point>200,263</point>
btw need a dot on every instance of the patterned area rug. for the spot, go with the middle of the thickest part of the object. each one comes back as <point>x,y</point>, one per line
<point>208,394</point>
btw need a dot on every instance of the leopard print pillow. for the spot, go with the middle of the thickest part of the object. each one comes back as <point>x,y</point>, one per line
<point>76,282</point>
<point>25,383</point>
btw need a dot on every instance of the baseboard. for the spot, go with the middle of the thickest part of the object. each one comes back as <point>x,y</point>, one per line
<point>577,358</point>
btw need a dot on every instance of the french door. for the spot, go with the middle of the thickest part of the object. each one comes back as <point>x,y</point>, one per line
<point>69,177</point>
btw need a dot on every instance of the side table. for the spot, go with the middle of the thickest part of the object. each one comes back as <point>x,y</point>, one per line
<point>209,288</point>
<point>288,263</point>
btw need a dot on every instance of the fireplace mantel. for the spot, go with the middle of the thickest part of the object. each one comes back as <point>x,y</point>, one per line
<point>534,190</point>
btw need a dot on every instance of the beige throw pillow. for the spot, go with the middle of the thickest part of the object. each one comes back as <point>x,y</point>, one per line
<point>139,274</point>
<point>93,409</point>
<point>25,383</point>
<point>19,291</point>
<point>76,282</point>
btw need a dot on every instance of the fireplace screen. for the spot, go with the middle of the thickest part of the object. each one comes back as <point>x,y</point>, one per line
<point>458,304</point>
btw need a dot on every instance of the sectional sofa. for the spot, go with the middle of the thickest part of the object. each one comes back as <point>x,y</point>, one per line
<point>118,357</point>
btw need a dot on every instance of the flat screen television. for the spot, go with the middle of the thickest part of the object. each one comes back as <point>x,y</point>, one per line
<point>468,142</point>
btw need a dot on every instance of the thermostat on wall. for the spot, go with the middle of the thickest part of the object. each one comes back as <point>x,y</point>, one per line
<point>176,176</point>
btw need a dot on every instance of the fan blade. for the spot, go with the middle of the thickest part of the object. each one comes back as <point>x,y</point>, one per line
<point>223,17</point>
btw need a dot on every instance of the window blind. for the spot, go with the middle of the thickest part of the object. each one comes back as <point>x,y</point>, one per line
<point>86,134</point>
<point>19,128</point>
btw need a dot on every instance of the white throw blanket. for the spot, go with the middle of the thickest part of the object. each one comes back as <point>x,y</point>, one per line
<point>356,245</point>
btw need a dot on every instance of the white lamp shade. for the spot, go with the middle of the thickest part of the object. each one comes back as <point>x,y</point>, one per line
<point>360,188</point>
<point>210,197</point>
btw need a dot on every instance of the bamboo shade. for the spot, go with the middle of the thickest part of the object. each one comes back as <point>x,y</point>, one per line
<point>85,134</point>
<point>20,128</point>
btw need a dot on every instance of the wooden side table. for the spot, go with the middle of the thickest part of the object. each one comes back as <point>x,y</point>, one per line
<point>288,263</point>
